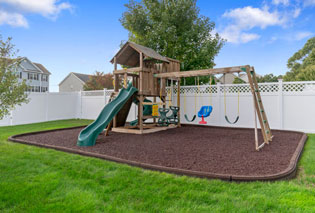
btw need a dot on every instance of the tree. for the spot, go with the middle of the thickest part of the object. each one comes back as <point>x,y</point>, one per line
<point>99,81</point>
<point>302,63</point>
<point>12,92</point>
<point>174,28</point>
<point>237,80</point>
<point>268,78</point>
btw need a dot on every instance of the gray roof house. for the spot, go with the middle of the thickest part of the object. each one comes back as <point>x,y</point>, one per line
<point>73,82</point>
<point>230,77</point>
<point>35,74</point>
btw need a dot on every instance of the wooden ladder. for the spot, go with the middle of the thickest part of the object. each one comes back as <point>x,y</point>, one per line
<point>260,111</point>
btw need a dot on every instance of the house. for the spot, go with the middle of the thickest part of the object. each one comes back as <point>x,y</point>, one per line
<point>73,82</point>
<point>230,77</point>
<point>35,74</point>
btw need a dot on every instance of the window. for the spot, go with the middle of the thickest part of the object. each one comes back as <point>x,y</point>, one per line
<point>32,76</point>
<point>20,75</point>
<point>44,77</point>
<point>33,89</point>
<point>44,89</point>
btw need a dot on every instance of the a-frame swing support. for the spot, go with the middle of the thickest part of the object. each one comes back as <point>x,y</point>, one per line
<point>258,104</point>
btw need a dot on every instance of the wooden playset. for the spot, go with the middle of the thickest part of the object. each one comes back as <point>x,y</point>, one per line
<point>151,73</point>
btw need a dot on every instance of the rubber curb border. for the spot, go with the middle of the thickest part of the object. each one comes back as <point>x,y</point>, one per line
<point>288,173</point>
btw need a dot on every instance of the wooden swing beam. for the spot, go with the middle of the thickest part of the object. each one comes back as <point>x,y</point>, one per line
<point>205,72</point>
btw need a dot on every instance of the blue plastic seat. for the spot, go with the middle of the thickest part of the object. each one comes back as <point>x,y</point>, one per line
<point>205,111</point>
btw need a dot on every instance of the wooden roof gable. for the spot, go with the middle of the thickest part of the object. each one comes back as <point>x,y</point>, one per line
<point>129,54</point>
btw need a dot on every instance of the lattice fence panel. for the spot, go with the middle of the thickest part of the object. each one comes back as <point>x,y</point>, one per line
<point>234,89</point>
<point>268,88</point>
<point>298,87</point>
<point>108,92</point>
<point>194,90</point>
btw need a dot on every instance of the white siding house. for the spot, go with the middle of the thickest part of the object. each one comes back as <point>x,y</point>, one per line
<point>74,82</point>
<point>35,74</point>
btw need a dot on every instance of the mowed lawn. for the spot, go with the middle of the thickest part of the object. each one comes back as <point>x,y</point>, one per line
<point>36,179</point>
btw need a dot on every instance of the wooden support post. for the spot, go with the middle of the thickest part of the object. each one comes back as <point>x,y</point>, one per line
<point>116,83</point>
<point>109,126</point>
<point>253,90</point>
<point>154,100</point>
<point>261,107</point>
<point>116,77</point>
<point>178,101</point>
<point>125,81</point>
<point>140,116</point>
<point>141,74</point>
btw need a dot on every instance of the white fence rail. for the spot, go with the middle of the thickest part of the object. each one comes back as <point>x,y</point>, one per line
<point>288,105</point>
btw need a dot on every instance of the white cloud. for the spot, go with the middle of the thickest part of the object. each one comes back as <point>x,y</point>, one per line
<point>295,36</point>
<point>284,2</point>
<point>247,37</point>
<point>16,9</point>
<point>307,3</point>
<point>43,7</point>
<point>296,12</point>
<point>301,35</point>
<point>247,18</point>
<point>233,34</point>
<point>13,19</point>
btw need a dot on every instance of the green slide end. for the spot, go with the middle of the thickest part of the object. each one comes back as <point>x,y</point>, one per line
<point>88,135</point>
<point>147,110</point>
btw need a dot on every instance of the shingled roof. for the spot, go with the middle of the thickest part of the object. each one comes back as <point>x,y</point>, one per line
<point>82,77</point>
<point>42,68</point>
<point>129,54</point>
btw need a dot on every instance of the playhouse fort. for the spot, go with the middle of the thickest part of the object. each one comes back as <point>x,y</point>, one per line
<point>150,74</point>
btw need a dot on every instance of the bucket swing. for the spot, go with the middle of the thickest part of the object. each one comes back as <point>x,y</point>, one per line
<point>186,117</point>
<point>238,104</point>
<point>205,111</point>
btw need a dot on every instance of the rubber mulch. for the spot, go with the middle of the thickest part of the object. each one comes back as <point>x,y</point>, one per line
<point>213,152</point>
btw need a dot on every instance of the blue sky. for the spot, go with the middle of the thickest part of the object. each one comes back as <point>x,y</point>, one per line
<point>82,36</point>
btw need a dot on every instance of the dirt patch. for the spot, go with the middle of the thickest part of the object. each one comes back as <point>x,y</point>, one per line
<point>214,152</point>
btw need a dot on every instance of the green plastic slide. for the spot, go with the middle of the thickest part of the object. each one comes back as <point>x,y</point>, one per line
<point>88,135</point>
<point>147,110</point>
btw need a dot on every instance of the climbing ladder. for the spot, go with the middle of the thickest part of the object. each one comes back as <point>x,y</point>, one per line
<point>259,110</point>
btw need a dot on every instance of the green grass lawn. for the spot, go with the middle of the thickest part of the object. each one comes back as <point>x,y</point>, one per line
<point>35,179</point>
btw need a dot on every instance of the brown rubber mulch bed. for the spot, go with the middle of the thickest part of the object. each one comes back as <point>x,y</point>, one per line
<point>212,152</point>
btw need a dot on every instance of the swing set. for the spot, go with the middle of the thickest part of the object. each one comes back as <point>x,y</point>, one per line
<point>205,110</point>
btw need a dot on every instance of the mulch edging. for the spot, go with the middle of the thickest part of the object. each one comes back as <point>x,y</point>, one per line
<point>288,173</point>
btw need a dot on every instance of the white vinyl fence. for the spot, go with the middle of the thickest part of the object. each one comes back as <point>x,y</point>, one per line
<point>288,105</point>
<point>45,107</point>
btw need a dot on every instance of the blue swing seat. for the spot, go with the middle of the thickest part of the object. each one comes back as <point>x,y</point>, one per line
<point>205,111</point>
